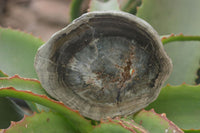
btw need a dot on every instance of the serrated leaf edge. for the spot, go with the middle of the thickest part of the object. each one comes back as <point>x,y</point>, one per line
<point>163,116</point>
<point>18,77</point>
<point>122,124</point>
<point>183,84</point>
<point>178,37</point>
<point>13,123</point>
<point>42,96</point>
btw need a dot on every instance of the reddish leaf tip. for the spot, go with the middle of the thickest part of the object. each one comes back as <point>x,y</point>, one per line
<point>163,115</point>
<point>168,85</point>
<point>15,76</point>
<point>152,110</point>
<point>172,34</point>
<point>181,34</point>
<point>184,83</point>
<point>163,38</point>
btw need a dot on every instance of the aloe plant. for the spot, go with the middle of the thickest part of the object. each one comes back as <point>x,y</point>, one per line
<point>175,110</point>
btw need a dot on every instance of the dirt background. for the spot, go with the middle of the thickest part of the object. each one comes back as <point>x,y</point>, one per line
<point>42,18</point>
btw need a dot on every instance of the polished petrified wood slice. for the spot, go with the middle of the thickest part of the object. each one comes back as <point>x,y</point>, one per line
<point>104,64</point>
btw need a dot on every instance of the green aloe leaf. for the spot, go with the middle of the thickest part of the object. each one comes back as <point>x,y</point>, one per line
<point>75,9</point>
<point>131,6</point>
<point>176,16</point>
<point>20,83</point>
<point>110,128</point>
<point>9,111</point>
<point>156,123</point>
<point>146,122</point>
<point>97,5</point>
<point>130,125</point>
<point>45,122</point>
<point>192,131</point>
<point>17,52</point>
<point>28,84</point>
<point>181,105</point>
<point>72,116</point>
<point>2,74</point>
<point>180,37</point>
